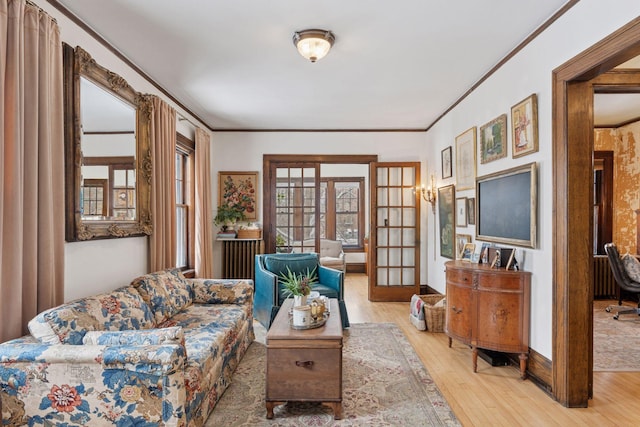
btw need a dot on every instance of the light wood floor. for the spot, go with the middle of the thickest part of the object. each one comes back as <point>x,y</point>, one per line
<point>495,396</point>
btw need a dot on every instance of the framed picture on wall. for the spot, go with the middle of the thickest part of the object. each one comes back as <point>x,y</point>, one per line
<point>239,189</point>
<point>461,212</point>
<point>446,201</point>
<point>493,140</point>
<point>471,210</point>
<point>524,127</point>
<point>466,160</point>
<point>445,158</point>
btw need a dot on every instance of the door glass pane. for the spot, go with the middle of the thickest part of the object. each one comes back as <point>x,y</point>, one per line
<point>409,237</point>
<point>395,257</point>
<point>382,179</point>
<point>395,176</point>
<point>408,276</point>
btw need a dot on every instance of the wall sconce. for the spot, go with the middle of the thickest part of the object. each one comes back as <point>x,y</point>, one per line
<point>429,195</point>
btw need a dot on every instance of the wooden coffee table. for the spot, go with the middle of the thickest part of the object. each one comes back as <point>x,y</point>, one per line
<point>305,365</point>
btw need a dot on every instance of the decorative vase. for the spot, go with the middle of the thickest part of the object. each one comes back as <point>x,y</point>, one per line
<point>299,300</point>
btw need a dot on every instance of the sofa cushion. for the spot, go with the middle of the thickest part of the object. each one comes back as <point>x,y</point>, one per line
<point>122,309</point>
<point>297,263</point>
<point>211,340</point>
<point>167,292</point>
<point>632,266</point>
<point>172,334</point>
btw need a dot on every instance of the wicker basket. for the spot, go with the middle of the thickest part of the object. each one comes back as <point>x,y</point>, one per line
<point>249,233</point>
<point>434,316</point>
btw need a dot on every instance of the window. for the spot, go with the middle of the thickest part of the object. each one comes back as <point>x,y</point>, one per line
<point>184,202</point>
<point>342,210</point>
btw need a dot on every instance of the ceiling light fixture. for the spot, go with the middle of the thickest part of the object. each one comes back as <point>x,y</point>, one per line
<point>313,44</point>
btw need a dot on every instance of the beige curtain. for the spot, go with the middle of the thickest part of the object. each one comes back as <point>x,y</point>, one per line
<point>31,166</point>
<point>203,206</point>
<point>163,199</point>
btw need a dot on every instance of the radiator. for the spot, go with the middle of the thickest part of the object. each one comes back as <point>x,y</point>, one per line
<point>238,258</point>
<point>604,285</point>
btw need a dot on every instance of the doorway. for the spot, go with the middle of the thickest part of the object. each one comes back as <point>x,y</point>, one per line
<point>573,88</point>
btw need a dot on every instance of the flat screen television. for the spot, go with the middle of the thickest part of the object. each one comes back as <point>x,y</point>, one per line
<point>507,204</point>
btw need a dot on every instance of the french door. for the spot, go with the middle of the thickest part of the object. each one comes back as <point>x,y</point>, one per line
<point>395,231</point>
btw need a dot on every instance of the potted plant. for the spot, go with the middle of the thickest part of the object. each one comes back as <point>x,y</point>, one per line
<point>227,216</point>
<point>298,285</point>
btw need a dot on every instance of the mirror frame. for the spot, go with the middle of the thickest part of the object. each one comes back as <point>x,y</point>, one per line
<point>77,62</point>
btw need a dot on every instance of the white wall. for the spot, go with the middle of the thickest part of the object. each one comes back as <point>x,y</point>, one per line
<point>103,265</point>
<point>528,72</point>
<point>243,151</point>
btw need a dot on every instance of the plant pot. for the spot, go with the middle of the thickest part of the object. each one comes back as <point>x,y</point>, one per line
<point>299,300</point>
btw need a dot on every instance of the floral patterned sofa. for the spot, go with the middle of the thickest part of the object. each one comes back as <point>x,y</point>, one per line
<point>159,352</point>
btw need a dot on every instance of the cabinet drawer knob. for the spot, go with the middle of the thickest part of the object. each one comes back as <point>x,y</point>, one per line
<point>456,310</point>
<point>304,364</point>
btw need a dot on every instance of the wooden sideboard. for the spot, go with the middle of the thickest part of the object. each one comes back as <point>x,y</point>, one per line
<point>488,308</point>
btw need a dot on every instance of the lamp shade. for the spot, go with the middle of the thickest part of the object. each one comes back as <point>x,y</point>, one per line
<point>313,44</point>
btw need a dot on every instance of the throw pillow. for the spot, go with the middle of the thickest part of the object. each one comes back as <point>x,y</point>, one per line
<point>121,309</point>
<point>167,292</point>
<point>632,266</point>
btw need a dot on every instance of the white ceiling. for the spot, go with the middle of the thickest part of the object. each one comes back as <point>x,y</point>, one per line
<point>395,65</point>
<point>234,65</point>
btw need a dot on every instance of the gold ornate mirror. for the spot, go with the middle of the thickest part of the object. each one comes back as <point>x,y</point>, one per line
<point>107,152</point>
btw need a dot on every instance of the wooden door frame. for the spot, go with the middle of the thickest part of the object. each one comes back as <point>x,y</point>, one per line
<point>572,127</point>
<point>269,199</point>
<point>391,293</point>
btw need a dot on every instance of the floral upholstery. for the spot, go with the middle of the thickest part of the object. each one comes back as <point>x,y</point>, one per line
<point>148,337</point>
<point>167,292</point>
<point>122,309</point>
<point>170,374</point>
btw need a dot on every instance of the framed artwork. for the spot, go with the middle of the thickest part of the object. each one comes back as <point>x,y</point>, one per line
<point>447,219</point>
<point>241,190</point>
<point>507,205</point>
<point>445,158</point>
<point>493,140</point>
<point>468,251</point>
<point>471,210</point>
<point>461,212</point>
<point>466,159</point>
<point>524,127</point>
<point>461,240</point>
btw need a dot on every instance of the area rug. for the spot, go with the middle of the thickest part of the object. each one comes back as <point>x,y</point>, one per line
<point>384,384</point>
<point>616,343</point>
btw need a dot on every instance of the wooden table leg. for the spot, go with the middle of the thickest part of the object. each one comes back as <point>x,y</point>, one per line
<point>337,409</point>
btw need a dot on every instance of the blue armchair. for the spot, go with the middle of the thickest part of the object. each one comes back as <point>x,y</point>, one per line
<point>268,296</point>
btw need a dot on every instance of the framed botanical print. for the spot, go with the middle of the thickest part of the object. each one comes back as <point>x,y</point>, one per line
<point>446,201</point>
<point>493,140</point>
<point>445,158</point>
<point>524,127</point>
<point>466,160</point>
<point>239,189</point>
